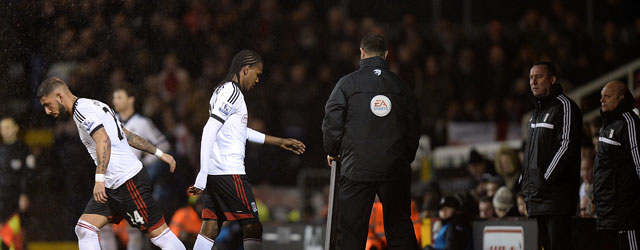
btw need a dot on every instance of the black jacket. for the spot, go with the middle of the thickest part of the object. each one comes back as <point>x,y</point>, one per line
<point>616,187</point>
<point>551,168</point>
<point>15,167</point>
<point>372,147</point>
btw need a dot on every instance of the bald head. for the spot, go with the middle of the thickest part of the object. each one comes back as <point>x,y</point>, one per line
<point>612,94</point>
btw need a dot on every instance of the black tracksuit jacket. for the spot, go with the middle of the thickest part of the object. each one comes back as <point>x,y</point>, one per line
<point>617,168</point>
<point>551,168</point>
<point>372,147</point>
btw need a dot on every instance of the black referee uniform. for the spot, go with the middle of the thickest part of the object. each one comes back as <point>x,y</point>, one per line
<point>371,122</point>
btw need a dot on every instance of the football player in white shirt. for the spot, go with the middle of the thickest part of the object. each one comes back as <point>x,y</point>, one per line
<point>122,190</point>
<point>124,97</point>
<point>227,195</point>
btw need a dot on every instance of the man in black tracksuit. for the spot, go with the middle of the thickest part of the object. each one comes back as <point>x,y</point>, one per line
<point>371,125</point>
<point>617,166</point>
<point>551,168</point>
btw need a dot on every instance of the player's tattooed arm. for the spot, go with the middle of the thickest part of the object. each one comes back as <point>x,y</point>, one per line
<point>103,149</point>
<point>139,143</point>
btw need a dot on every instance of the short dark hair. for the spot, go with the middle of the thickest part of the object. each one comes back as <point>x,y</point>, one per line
<point>374,44</point>
<point>551,69</point>
<point>128,88</point>
<point>48,85</point>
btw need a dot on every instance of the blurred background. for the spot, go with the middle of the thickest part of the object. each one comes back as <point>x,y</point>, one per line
<point>466,61</point>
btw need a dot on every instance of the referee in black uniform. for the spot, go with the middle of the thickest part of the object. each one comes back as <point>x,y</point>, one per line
<point>371,126</point>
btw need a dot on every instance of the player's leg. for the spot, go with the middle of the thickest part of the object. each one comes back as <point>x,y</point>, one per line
<point>252,236</point>
<point>249,219</point>
<point>95,216</point>
<point>134,202</point>
<point>355,202</point>
<point>396,206</point>
<point>208,233</point>
<point>88,231</point>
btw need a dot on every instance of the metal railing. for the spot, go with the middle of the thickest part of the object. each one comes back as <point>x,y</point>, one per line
<point>596,85</point>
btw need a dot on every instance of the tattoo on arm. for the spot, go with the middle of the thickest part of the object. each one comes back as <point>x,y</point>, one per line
<point>139,143</point>
<point>103,150</point>
<point>103,161</point>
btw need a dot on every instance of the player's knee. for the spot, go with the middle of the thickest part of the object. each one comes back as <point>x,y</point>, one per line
<point>253,230</point>
<point>82,232</point>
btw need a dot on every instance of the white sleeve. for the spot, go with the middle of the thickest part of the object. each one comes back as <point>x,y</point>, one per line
<point>223,104</point>
<point>206,146</point>
<point>89,120</point>
<point>255,136</point>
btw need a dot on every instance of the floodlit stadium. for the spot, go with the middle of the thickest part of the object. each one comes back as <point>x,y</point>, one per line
<point>527,120</point>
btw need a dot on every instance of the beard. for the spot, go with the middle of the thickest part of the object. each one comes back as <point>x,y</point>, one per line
<point>62,112</point>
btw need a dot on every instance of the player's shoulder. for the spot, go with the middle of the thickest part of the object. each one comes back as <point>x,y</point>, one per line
<point>229,91</point>
<point>84,106</point>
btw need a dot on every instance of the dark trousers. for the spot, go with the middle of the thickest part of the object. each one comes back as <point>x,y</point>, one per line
<point>356,199</point>
<point>627,240</point>
<point>554,232</point>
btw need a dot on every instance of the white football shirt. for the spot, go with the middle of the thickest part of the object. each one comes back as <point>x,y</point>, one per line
<point>228,107</point>
<point>144,127</point>
<point>91,115</point>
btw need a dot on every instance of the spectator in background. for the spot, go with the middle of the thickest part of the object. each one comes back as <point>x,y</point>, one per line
<point>617,164</point>
<point>478,165</point>
<point>508,167</point>
<point>485,208</point>
<point>504,204</point>
<point>16,164</point>
<point>551,168</point>
<point>587,208</point>
<point>492,184</point>
<point>455,232</point>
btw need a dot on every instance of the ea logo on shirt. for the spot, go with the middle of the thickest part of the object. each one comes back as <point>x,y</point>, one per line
<point>380,105</point>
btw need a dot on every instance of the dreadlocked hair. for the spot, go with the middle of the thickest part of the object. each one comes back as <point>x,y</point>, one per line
<point>241,59</point>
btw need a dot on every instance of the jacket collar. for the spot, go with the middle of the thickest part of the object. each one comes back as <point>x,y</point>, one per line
<point>542,102</point>
<point>375,61</point>
<point>624,106</point>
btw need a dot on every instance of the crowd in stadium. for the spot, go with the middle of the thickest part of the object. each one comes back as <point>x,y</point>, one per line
<point>176,52</point>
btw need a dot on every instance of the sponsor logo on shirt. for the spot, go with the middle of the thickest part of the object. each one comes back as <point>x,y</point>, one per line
<point>380,105</point>
<point>254,207</point>
<point>245,118</point>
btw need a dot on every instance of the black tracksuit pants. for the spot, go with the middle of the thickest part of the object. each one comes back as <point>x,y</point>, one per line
<point>356,200</point>
<point>554,232</point>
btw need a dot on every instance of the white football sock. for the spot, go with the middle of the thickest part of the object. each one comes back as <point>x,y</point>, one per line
<point>88,236</point>
<point>167,241</point>
<point>203,243</point>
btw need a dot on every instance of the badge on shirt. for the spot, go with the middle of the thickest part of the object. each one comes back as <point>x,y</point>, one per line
<point>380,105</point>
<point>88,124</point>
<point>378,72</point>
<point>225,109</point>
